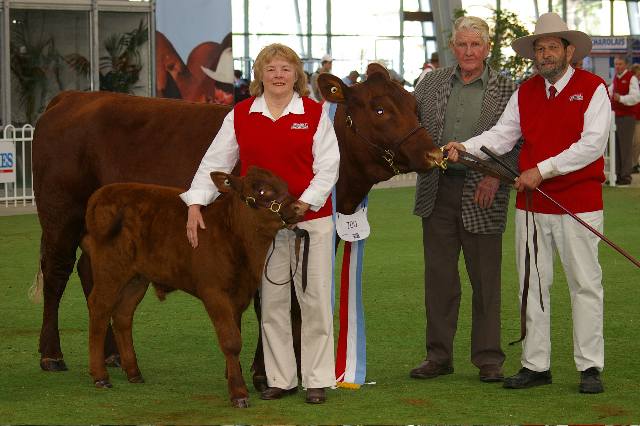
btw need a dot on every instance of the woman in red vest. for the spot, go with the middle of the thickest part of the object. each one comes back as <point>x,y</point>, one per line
<point>280,129</point>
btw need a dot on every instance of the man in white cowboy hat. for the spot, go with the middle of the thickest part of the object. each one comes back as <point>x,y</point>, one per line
<point>563,115</point>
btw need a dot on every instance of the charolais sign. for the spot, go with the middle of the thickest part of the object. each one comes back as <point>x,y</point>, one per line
<point>7,162</point>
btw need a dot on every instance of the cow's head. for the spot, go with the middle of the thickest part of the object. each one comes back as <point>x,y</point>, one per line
<point>381,119</point>
<point>261,190</point>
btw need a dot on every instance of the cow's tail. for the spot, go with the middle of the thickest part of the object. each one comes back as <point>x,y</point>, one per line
<point>36,289</point>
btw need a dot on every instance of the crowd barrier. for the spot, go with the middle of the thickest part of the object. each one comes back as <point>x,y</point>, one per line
<point>15,162</point>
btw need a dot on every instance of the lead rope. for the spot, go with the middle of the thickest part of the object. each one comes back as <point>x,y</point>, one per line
<point>300,235</point>
<point>527,269</point>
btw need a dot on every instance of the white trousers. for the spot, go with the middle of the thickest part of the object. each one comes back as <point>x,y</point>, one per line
<point>577,248</point>
<point>317,356</point>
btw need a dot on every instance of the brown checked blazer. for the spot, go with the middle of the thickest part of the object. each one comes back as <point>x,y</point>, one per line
<point>432,95</point>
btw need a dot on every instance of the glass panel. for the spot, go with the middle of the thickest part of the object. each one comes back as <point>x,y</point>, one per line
<point>480,8</point>
<point>319,16</point>
<point>124,52</point>
<point>290,19</point>
<point>620,18</point>
<point>48,54</point>
<point>237,16</point>
<point>588,16</point>
<point>415,55</point>
<point>381,18</point>
<point>414,28</point>
<point>2,123</point>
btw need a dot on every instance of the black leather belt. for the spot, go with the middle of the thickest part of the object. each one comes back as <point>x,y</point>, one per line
<point>454,172</point>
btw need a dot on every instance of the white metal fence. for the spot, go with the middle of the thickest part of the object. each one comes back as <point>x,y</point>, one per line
<point>20,191</point>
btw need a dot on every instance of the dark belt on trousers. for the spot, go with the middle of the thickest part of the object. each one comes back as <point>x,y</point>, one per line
<point>454,172</point>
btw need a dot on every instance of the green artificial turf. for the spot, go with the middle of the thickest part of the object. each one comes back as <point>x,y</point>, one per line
<point>184,369</point>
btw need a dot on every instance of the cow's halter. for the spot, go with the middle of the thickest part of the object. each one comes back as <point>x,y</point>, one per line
<point>387,154</point>
<point>273,206</point>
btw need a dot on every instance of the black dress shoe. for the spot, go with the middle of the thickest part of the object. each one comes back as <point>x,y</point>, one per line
<point>316,396</point>
<point>430,369</point>
<point>527,379</point>
<point>590,381</point>
<point>491,373</point>
<point>277,393</point>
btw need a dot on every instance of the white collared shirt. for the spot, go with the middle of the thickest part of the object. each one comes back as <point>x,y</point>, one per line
<point>631,98</point>
<point>223,154</point>
<point>502,137</point>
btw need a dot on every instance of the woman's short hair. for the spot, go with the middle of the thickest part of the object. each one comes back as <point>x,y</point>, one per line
<point>471,23</point>
<point>266,55</point>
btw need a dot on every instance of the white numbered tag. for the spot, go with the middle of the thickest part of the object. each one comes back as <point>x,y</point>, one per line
<point>353,227</point>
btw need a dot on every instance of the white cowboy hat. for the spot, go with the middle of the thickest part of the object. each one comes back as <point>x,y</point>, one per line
<point>552,25</point>
<point>224,69</point>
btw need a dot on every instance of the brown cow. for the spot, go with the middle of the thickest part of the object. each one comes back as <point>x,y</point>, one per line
<point>135,235</point>
<point>87,140</point>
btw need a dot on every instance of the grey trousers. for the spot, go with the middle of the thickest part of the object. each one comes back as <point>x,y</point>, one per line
<point>443,237</point>
<point>625,127</point>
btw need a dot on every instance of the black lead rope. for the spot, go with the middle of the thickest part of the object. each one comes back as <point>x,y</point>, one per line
<point>527,269</point>
<point>301,234</point>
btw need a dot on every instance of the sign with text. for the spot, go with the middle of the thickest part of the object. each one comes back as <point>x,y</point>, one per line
<point>7,162</point>
<point>609,44</point>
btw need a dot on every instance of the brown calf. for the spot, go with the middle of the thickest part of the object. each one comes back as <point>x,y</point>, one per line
<point>135,235</point>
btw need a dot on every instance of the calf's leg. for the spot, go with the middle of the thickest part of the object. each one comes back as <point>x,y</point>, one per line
<point>225,318</point>
<point>111,356</point>
<point>130,296</point>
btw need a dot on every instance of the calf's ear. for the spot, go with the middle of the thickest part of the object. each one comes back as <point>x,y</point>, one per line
<point>332,88</point>
<point>225,182</point>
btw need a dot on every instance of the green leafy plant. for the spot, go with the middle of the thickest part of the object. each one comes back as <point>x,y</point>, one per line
<point>120,68</point>
<point>35,63</point>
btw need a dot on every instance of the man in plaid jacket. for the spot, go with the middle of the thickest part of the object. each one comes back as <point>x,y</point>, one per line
<point>461,208</point>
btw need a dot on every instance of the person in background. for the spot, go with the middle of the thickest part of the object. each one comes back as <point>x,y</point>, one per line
<point>326,64</point>
<point>462,209</point>
<point>279,128</point>
<point>352,78</point>
<point>563,114</point>
<point>625,94</point>
<point>428,67</point>
<point>635,68</point>
<point>240,87</point>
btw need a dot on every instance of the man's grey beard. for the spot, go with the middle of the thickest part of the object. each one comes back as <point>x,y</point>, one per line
<point>556,72</point>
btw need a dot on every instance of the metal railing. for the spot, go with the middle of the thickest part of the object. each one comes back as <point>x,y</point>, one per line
<point>20,191</point>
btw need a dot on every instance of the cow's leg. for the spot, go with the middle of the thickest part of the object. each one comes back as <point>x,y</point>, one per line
<point>111,356</point>
<point>130,297</point>
<point>57,257</point>
<point>224,316</point>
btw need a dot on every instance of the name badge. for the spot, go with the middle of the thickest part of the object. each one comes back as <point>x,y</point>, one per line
<point>353,227</point>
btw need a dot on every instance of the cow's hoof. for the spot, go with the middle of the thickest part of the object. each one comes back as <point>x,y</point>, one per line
<point>112,361</point>
<point>260,382</point>
<point>240,403</point>
<point>103,384</point>
<point>53,364</point>
<point>136,379</point>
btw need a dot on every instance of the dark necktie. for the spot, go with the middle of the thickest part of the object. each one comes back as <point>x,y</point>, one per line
<point>552,92</point>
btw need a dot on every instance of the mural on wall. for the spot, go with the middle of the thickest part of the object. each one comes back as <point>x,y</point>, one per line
<point>194,62</point>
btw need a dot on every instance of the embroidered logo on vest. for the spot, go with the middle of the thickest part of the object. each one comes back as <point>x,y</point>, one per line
<point>576,97</point>
<point>299,126</point>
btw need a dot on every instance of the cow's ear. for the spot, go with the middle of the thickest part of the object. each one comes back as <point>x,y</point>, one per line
<point>375,67</point>
<point>225,182</point>
<point>332,88</point>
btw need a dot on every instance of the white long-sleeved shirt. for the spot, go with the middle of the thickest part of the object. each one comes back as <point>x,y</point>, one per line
<point>223,154</point>
<point>502,137</point>
<point>631,98</point>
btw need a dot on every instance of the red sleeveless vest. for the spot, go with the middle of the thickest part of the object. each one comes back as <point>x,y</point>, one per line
<point>549,126</point>
<point>283,146</point>
<point>621,87</point>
